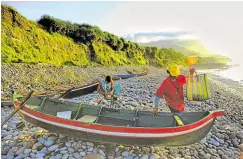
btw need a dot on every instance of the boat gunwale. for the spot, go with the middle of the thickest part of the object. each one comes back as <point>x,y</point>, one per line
<point>94,126</point>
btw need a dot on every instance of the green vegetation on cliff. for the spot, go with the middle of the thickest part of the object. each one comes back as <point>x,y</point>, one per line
<point>57,42</point>
<point>24,41</point>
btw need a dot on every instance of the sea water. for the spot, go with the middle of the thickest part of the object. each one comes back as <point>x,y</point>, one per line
<point>234,73</point>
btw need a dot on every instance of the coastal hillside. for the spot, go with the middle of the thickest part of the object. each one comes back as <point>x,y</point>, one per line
<point>188,47</point>
<point>57,42</point>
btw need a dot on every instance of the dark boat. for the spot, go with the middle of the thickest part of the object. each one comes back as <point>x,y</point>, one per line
<point>128,127</point>
<point>79,91</point>
<point>86,89</point>
<point>125,76</point>
<point>90,88</point>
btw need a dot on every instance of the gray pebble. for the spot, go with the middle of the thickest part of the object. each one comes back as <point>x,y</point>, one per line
<point>82,153</point>
<point>65,156</point>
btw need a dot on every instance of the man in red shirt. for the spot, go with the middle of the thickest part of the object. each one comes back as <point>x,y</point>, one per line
<point>172,90</point>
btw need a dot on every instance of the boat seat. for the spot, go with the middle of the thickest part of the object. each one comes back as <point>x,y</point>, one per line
<point>87,119</point>
<point>64,114</point>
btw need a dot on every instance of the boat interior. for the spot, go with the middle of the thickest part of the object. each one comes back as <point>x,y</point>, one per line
<point>108,116</point>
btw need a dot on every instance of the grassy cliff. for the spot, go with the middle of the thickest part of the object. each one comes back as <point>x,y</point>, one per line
<point>25,41</point>
<point>56,42</point>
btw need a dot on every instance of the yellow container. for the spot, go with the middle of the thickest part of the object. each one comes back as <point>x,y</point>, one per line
<point>191,60</point>
<point>197,88</point>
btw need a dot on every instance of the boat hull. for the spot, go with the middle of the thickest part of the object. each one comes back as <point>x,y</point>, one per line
<point>81,91</point>
<point>180,139</point>
<point>77,92</point>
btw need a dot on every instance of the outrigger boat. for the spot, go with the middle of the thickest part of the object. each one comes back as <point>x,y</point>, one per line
<point>128,127</point>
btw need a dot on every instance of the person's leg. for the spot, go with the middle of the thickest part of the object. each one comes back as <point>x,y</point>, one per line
<point>173,110</point>
<point>102,92</point>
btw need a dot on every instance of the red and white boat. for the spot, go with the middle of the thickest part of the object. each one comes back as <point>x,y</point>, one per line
<point>128,127</point>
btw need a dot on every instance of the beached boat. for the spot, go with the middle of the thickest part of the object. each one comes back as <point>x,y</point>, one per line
<point>86,89</point>
<point>125,76</point>
<point>90,88</point>
<point>107,125</point>
<point>79,91</point>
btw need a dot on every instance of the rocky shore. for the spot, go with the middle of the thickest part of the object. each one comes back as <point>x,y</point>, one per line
<point>48,79</point>
<point>224,141</point>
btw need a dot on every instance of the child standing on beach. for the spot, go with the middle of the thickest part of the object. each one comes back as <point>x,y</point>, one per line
<point>172,90</point>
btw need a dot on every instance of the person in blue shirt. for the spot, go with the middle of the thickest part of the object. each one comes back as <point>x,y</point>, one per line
<point>106,87</point>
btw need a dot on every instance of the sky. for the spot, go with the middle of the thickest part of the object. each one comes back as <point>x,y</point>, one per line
<point>217,24</point>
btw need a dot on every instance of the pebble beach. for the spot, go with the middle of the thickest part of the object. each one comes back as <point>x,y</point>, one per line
<point>224,141</point>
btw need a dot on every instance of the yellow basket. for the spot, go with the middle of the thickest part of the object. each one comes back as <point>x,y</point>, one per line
<point>197,88</point>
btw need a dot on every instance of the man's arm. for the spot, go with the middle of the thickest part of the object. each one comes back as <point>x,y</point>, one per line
<point>159,94</point>
<point>98,88</point>
<point>156,102</point>
<point>190,74</point>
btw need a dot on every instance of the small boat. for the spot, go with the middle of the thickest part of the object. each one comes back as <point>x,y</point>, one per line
<point>90,88</point>
<point>125,76</point>
<point>83,90</point>
<point>108,125</point>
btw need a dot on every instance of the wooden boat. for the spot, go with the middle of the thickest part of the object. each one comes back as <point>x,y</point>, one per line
<point>86,89</point>
<point>125,76</point>
<point>79,91</point>
<point>90,88</point>
<point>107,125</point>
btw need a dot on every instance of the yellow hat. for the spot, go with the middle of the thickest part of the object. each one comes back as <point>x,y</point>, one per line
<point>174,70</point>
